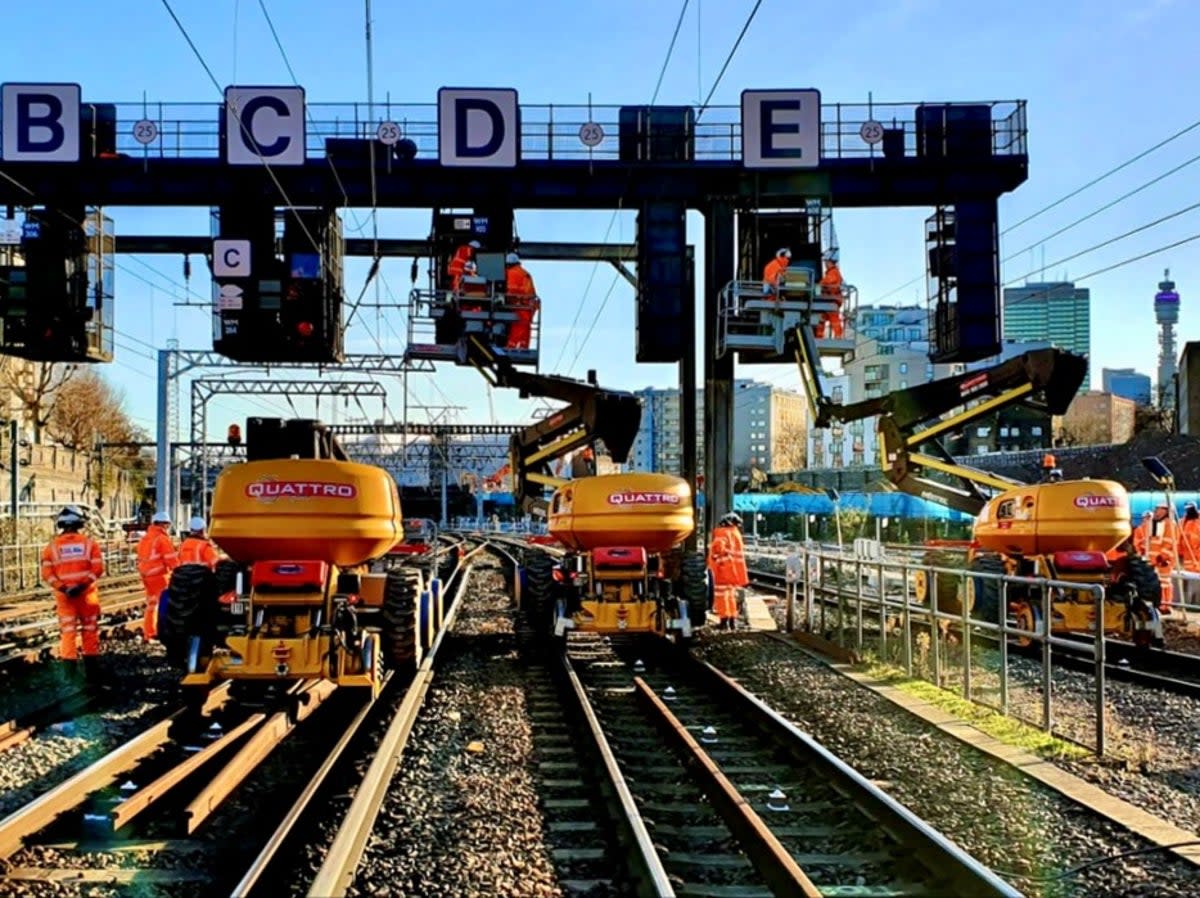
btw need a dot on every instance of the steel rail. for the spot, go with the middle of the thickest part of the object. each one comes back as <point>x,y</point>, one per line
<point>40,812</point>
<point>958,873</point>
<point>777,868</point>
<point>336,873</point>
<point>300,805</point>
<point>649,871</point>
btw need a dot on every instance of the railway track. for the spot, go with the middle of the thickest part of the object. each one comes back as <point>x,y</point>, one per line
<point>735,800</point>
<point>1175,672</point>
<point>162,793</point>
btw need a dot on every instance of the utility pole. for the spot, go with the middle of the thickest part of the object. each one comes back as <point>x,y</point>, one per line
<point>14,475</point>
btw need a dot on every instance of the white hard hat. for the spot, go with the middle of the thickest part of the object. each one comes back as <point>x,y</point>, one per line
<point>161,518</point>
<point>475,244</point>
<point>512,259</point>
<point>785,252</point>
<point>70,516</point>
<point>196,524</point>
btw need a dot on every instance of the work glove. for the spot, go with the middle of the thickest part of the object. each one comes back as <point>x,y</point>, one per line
<point>73,591</point>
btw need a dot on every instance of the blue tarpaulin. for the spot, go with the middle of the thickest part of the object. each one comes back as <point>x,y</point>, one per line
<point>891,505</point>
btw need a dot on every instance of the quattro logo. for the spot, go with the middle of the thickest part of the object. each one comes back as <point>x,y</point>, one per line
<point>299,489</point>
<point>632,497</point>
<point>1090,501</point>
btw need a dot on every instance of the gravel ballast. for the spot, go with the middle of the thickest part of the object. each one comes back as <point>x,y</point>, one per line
<point>142,683</point>
<point>992,810</point>
<point>462,817</point>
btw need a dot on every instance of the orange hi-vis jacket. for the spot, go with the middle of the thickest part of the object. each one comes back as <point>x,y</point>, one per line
<point>773,272</point>
<point>1189,543</point>
<point>156,554</point>
<point>727,558</point>
<point>1158,541</point>
<point>518,283</point>
<point>197,550</point>
<point>458,265</point>
<point>72,559</point>
<point>831,283</point>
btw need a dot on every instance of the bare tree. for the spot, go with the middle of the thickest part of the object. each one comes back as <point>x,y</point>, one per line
<point>789,449</point>
<point>34,385</point>
<point>1084,431</point>
<point>85,409</point>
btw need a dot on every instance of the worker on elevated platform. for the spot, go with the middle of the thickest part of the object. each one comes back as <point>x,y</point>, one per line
<point>522,299</point>
<point>774,271</point>
<point>727,562</point>
<point>458,264</point>
<point>1157,540</point>
<point>831,289</point>
<point>156,559</point>
<point>72,563</point>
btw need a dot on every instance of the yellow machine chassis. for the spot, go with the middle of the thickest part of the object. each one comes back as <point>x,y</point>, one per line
<point>618,617</point>
<point>260,658</point>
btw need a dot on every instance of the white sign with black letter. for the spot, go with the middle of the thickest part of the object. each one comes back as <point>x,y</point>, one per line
<point>479,128</point>
<point>264,124</point>
<point>781,128</point>
<point>40,122</point>
<point>231,258</point>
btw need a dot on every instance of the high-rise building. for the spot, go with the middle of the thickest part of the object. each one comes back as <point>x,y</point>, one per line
<point>1187,390</point>
<point>1057,311</point>
<point>769,427</point>
<point>1126,383</point>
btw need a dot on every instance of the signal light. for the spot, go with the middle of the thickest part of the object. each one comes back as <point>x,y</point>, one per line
<point>305,329</point>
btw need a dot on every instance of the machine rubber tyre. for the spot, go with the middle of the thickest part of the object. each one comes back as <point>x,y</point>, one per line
<point>693,586</point>
<point>947,584</point>
<point>1144,579</point>
<point>191,611</point>
<point>985,592</point>
<point>538,592</point>
<point>401,592</point>
<point>226,573</point>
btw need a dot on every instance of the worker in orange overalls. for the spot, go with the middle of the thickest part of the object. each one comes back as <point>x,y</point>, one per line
<point>71,565</point>
<point>774,271</point>
<point>1157,540</point>
<point>522,299</point>
<point>1189,549</point>
<point>727,562</point>
<point>197,548</point>
<point>156,559</point>
<point>831,288</point>
<point>458,263</point>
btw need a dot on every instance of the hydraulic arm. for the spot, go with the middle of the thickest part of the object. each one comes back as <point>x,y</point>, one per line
<point>1044,379</point>
<point>591,414</point>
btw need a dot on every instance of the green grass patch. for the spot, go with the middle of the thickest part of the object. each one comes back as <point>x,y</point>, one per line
<point>1007,729</point>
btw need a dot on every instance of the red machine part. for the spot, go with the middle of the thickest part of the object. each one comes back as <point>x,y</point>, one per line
<point>289,576</point>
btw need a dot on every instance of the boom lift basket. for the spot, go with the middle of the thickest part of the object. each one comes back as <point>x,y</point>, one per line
<point>756,325</point>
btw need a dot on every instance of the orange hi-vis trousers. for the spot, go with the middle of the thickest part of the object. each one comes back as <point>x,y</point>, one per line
<point>154,587</point>
<point>78,615</point>
<point>725,602</point>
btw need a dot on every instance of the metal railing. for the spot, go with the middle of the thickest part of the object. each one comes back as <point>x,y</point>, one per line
<point>20,563</point>
<point>871,605</point>
<point>553,132</point>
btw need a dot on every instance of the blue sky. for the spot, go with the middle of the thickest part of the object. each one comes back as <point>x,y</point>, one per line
<point>1104,80</point>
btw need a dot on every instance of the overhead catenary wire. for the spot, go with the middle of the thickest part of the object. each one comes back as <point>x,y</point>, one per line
<point>1071,194</point>
<point>728,59</point>
<point>716,82</point>
<point>217,84</point>
<point>566,341</point>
